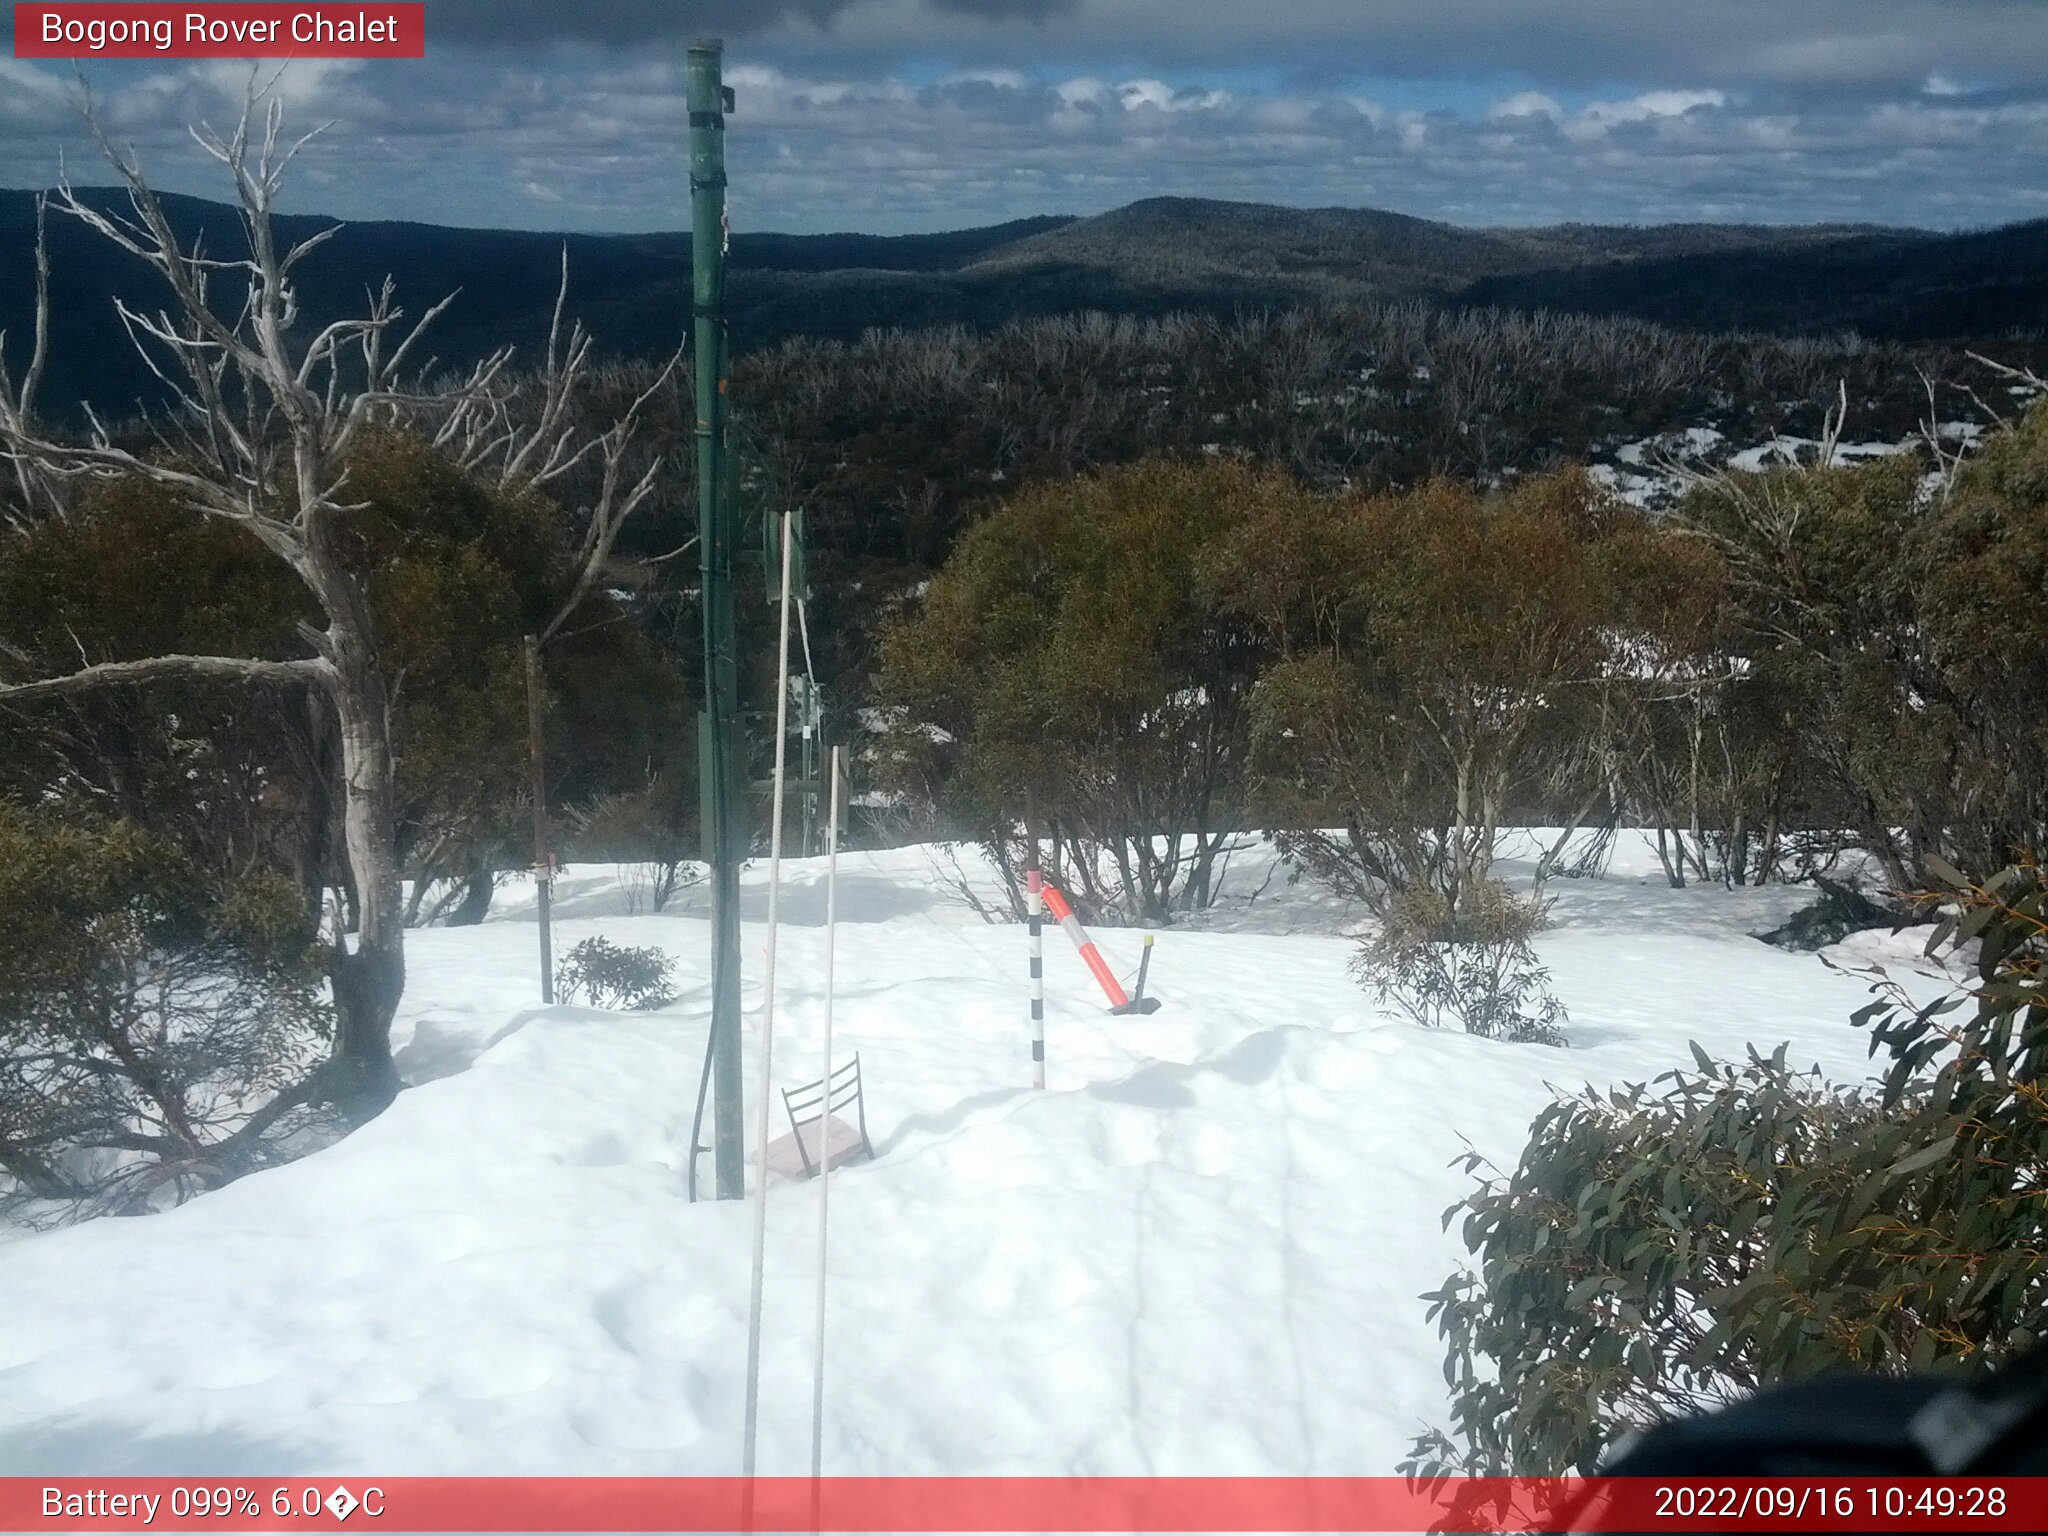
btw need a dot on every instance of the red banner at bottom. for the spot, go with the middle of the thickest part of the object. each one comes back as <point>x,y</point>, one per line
<point>991,1504</point>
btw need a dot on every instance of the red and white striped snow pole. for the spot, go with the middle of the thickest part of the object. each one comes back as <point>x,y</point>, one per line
<point>1037,918</point>
<point>1063,914</point>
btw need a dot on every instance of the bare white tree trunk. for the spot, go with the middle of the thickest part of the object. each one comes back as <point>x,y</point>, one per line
<point>369,982</point>
<point>260,438</point>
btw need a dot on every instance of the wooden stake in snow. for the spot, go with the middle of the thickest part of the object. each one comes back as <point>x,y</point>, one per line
<point>767,1034</point>
<point>825,1142</point>
<point>1035,895</point>
<point>543,861</point>
<point>1035,915</point>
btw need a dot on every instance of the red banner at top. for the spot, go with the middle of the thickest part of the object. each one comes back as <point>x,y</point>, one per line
<point>215,31</point>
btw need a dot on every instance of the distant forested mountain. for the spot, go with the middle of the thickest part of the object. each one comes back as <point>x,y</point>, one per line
<point>1154,257</point>
<point>1900,285</point>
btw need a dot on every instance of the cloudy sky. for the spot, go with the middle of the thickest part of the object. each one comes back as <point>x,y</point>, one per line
<point>896,115</point>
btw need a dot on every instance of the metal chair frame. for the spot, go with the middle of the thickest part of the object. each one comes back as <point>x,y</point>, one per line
<point>816,1102</point>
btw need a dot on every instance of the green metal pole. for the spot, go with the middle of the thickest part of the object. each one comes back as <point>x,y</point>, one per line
<point>543,859</point>
<point>720,745</point>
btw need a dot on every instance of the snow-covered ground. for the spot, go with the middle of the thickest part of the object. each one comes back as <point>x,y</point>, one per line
<point>1199,1251</point>
<point>1654,473</point>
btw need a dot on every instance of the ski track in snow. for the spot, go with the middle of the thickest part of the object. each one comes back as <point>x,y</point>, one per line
<point>1200,1251</point>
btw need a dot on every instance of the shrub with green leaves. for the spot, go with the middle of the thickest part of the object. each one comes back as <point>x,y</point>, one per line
<point>608,975</point>
<point>650,833</point>
<point>1078,652</point>
<point>1427,658</point>
<point>1473,968</point>
<point>1655,1254</point>
<point>161,1031</point>
<point>1901,632</point>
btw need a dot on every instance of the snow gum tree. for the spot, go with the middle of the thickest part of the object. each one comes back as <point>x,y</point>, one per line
<point>1431,648</point>
<point>1076,653</point>
<point>213,767</point>
<point>1900,623</point>
<point>156,1021</point>
<point>238,776</point>
<point>260,438</point>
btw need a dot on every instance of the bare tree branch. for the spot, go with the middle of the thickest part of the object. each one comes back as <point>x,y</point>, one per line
<point>2025,376</point>
<point>1947,464</point>
<point>261,424</point>
<point>114,674</point>
<point>18,405</point>
<point>613,507</point>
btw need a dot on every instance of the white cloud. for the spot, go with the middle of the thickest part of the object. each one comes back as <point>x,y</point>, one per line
<point>302,85</point>
<point>1652,104</point>
<point>1526,104</point>
<point>752,77</point>
<point>1135,94</point>
<point>1085,91</point>
<point>1594,120</point>
<point>825,138</point>
<point>1003,79</point>
<point>1145,93</point>
<point>30,95</point>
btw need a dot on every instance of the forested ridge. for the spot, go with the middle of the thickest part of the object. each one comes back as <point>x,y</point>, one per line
<point>1160,256</point>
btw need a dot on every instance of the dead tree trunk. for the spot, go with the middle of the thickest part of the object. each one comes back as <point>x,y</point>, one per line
<point>369,981</point>
<point>260,439</point>
<point>479,886</point>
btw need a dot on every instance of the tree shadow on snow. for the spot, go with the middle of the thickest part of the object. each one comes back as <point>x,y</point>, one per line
<point>441,1048</point>
<point>1164,1085</point>
<point>946,1121</point>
